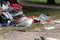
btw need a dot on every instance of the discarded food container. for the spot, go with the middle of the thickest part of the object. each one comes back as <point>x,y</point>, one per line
<point>43,17</point>
<point>36,20</point>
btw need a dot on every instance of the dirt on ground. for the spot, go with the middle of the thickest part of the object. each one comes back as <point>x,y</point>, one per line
<point>29,35</point>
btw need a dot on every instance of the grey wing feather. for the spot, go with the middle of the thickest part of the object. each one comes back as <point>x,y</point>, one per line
<point>23,24</point>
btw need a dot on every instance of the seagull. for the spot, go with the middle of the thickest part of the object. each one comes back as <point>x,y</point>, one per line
<point>26,22</point>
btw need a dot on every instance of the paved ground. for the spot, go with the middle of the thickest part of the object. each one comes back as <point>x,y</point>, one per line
<point>29,35</point>
<point>17,35</point>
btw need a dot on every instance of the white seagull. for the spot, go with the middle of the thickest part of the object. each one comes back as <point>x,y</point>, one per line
<point>26,22</point>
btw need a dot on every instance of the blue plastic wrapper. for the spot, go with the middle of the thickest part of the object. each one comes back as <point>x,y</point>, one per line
<point>4,24</point>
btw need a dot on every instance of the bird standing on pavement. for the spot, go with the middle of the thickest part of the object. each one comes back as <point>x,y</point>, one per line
<point>26,22</point>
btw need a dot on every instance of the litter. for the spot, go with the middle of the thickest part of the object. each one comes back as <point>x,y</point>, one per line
<point>8,15</point>
<point>16,5</point>
<point>4,6</point>
<point>49,28</point>
<point>52,39</point>
<point>36,19</point>
<point>15,11</point>
<point>56,21</point>
<point>11,12</point>
<point>43,17</point>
